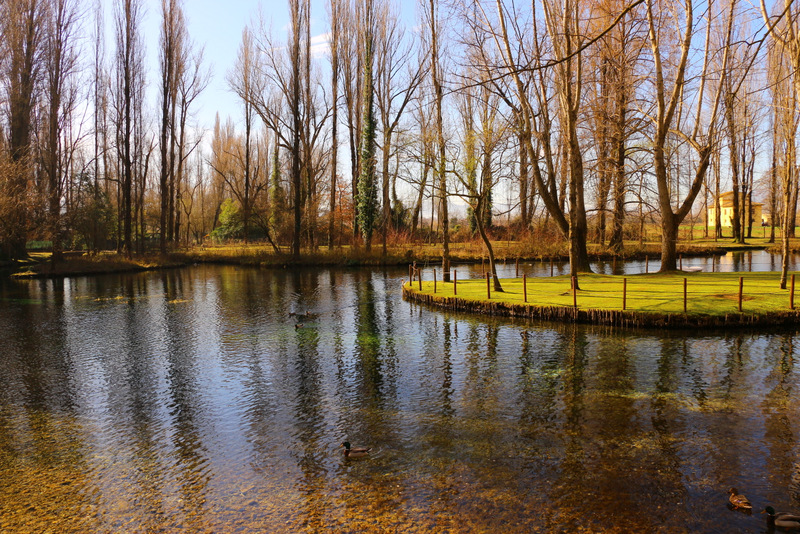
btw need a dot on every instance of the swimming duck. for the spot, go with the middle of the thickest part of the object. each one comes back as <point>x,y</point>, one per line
<point>355,452</point>
<point>738,500</point>
<point>298,326</point>
<point>782,520</point>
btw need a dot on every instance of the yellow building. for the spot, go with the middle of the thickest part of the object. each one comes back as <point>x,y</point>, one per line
<point>726,210</point>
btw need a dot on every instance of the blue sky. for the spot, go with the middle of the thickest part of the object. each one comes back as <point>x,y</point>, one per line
<point>217,25</point>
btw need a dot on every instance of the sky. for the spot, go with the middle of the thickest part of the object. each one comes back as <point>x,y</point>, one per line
<point>217,26</point>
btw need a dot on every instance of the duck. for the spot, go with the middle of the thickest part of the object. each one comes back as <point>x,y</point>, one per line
<point>355,452</point>
<point>782,520</point>
<point>738,500</point>
<point>298,326</point>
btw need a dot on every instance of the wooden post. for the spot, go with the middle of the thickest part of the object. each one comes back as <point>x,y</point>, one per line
<point>574,291</point>
<point>410,274</point>
<point>685,283</point>
<point>551,266</point>
<point>647,264</point>
<point>741,284</point>
<point>680,261</point>
<point>488,287</point>
<point>483,269</point>
<point>516,268</point>
<point>624,293</point>
<point>791,295</point>
<point>455,282</point>
<point>434,280</point>
<point>713,264</point>
<point>419,278</point>
<point>525,287</point>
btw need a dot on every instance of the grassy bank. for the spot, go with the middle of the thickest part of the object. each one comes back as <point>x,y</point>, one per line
<point>39,265</point>
<point>650,300</point>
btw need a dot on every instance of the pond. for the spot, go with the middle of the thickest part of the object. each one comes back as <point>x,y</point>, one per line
<point>190,400</point>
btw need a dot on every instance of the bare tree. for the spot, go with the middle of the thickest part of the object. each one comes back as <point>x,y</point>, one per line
<point>398,74</point>
<point>61,96</point>
<point>335,8</point>
<point>432,24</point>
<point>192,82</point>
<point>171,41</point>
<point>242,80</point>
<point>784,28</point>
<point>352,77</point>
<point>698,131</point>
<point>22,31</point>
<point>129,65</point>
<point>614,62</point>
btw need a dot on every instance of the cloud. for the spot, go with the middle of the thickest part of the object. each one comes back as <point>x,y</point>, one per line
<point>320,45</point>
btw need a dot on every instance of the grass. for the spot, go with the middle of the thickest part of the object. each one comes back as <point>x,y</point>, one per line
<point>39,265</point>
<point>708,294</point>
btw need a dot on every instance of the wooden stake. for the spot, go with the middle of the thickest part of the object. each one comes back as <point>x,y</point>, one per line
<point>410,274</point>
<point>791,295</point>
<point>574,292</point>
<point>685,283</point>
<point>525,287</point>
<point>434,280</point>
<point>488,288</point>
<point>624,293</point>
<point>419,278</point>
<point>455,282</point>
<point>647,264</point>
<point>551,266</point>
<point>741,285</point>
<point>516,268</point>
<point>680,260</point>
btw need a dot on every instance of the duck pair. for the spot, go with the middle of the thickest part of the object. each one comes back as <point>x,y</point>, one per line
<point>781,520</point>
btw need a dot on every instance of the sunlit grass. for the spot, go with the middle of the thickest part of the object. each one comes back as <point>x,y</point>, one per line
<point>707,293</point>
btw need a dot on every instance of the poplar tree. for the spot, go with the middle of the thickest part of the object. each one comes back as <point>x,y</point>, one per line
<point>367,187</point>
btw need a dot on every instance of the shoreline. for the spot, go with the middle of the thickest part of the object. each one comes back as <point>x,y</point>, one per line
<point>79,264</point>
<point>605,316</point>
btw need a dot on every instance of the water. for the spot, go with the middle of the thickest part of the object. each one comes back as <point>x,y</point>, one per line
<point>188,401</point>
<point>734,261</point>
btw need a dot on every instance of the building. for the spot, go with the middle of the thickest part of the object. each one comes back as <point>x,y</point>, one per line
<point>726,211</point>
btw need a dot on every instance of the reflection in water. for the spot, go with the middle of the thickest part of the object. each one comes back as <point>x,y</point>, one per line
<point>189,401</point>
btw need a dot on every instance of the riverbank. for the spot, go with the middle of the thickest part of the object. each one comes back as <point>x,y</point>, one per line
<point>39,264</point>
<point>673,300</point>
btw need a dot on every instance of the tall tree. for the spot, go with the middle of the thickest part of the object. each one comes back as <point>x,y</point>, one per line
<point>396,81</point>
<point>170,67</point>
<point>242,81</point>
<point>129,67</point>
<point>698,131</point>
<point>335,8</point>
<point>432,23</point>
<point>784,28</point>
<point>284,104</point>
<point>367,182</point>
<point>22,30</point>
<point>61,61</point>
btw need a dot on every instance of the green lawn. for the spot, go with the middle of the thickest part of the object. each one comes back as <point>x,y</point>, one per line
<point>707,293</point>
